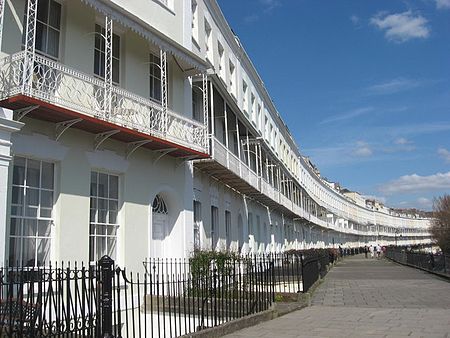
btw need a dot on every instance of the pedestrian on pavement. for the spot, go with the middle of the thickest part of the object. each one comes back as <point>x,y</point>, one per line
<point>378,251</point>
<point>340,251</point>
<point>372,251</point>
<point>365,250</point>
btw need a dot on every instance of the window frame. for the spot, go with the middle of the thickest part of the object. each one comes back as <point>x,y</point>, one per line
<point>23,217</point>
<point>107,224</point>
<point>197,224</point>
<point>214,231</point>
<point>101,34</point>
<point>155,65</point>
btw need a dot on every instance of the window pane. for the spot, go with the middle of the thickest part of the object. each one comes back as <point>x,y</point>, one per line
<point>92,214</point>
<point>157,90</point>
<point>53,43</point>
<point>55,14</point>
<point>44,228</point>
<point>98,38</point>
<point>102,216</point>
<point>14,251</point>
<point>32,197</point>
<point>101,247</point>
<point>91,248</point>
<point>43,251</point>
<point>113,187</point>
<point>112,247</point>
<point>28,251</point>
<point>113,205</point>
<point>46,199</point>
<point>46,213</point>
<point>103,185</point>
<point>29,227</point>
<point>115,70</point>
<point>112,230</point>
<point>19,170</point>
<point>113,217</point>
<point>31,211</point>
<point>102,204</point>
<point>41,37</point>
<point>17,196</point>
<point>15,228</point>
<point>100,41</point>
<point>93,184</point>
<point>116,46</point>
<point>33,173</point>
<point>97,63</point>
<point>101,230</point>
<point>42,10</point>
<point>47,175</point>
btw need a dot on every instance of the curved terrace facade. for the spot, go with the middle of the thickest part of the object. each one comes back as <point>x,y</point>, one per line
<point>141,129</point>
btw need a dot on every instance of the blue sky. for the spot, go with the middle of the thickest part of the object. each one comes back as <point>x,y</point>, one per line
<point>364,86</point>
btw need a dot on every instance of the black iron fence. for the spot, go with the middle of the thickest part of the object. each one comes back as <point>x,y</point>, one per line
<point>49,302</point>
<point>171,298</point>
<point>432,262</point>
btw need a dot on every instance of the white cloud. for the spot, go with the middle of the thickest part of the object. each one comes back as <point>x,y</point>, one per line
<point>444,153</point>
<point>443,4</point>
<point>402,141</point>
<point>251,18</point>
<point>270,4</point>
<point>348,115</point>
<point>400,144</point>
<point>362,149</point>
<point>393,86</point>
<point>401,27</point>
<point>422,203</point>
<point>415,183</point>
<point>355,19</point>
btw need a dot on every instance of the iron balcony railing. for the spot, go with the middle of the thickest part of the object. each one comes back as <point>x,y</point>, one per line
<point>52,82</point>
<point>228,159</point>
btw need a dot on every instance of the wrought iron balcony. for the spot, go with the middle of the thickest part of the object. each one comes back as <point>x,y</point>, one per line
<point>48,81</point>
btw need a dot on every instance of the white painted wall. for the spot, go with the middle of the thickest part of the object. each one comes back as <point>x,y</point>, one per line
<point>140,180</point>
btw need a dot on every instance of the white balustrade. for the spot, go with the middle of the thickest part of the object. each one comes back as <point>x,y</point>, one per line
<point>68,88</point>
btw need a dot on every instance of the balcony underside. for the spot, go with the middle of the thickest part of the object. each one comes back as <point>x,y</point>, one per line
<point>56,114</point>
<point>226,176</point>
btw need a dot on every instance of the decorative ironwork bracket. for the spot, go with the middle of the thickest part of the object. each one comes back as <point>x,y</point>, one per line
<point>61,127</point>
<point>102,137</point>
<point>133,146</point>
<point>22,112</point>
<point>164,152</point>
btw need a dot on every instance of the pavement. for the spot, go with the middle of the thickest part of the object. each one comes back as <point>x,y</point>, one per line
<point>368,298</point>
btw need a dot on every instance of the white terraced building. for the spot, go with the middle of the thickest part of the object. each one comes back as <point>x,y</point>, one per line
<point>141,129</point>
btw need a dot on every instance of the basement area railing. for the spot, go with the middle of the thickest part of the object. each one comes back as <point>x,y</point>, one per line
<point>170,298</point>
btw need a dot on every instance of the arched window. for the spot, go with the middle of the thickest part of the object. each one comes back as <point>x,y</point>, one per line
<point>159,205</point>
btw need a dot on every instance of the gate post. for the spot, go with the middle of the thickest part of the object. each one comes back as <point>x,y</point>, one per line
<point>106,267</point>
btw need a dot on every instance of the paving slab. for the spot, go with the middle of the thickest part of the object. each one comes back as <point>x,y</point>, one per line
<point>368,298</point>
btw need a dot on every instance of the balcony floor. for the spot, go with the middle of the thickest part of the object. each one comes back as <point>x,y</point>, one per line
<point>55,114</point>
<point>226,176</point>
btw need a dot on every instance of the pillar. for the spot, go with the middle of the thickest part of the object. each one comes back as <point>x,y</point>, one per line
<point>7,127</point>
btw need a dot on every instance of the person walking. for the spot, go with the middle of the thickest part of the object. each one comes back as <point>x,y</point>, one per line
<point>378,251</point>
<point>366,249</point>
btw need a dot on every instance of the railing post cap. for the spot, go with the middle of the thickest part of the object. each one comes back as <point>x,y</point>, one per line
<point>106,260</point>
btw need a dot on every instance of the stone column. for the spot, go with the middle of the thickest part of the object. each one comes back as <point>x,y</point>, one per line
<point>7,127</point>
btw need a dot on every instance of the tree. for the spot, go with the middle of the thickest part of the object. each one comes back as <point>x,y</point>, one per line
<point>440,229</point>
